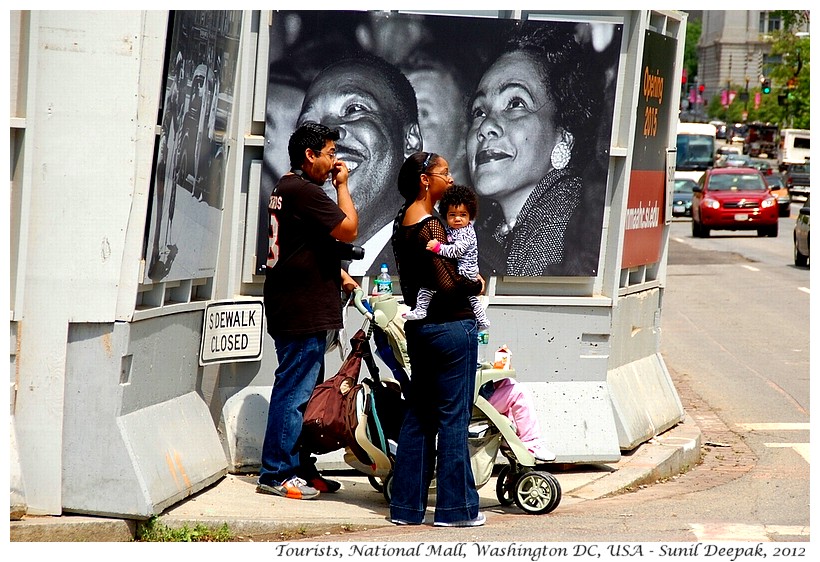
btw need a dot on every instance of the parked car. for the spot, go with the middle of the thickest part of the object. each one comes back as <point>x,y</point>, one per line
<point>779,190</point>
<point>797,178</point>
<point>733,199</point>
<point>682,197</point>
<point>801,236</point>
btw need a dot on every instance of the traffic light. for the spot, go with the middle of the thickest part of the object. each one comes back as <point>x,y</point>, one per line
<point>766,86</point>
<point>701,88</point>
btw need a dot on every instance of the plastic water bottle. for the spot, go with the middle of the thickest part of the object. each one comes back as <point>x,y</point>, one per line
<point>483,346</point>
<point>383,285</point>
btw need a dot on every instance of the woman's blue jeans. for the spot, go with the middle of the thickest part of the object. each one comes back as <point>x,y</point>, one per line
<point>443,359</point>
<point>301,362</point>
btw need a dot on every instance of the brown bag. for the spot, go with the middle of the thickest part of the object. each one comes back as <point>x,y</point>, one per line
<point>330,418</point>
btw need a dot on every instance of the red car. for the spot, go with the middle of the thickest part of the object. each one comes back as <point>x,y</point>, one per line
<point>733,199</point>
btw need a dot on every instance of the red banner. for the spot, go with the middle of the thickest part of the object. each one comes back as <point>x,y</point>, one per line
<point>643,229</point>
<point>646,205</point>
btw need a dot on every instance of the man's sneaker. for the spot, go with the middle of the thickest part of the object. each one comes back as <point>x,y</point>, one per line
<point>294,488</point>
<point>477,522</point>
<point>324,485</point>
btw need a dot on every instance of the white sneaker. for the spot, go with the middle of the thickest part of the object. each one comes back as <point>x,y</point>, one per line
<point>477,522</point>
<point>402,522</point>
<point>541,453</point>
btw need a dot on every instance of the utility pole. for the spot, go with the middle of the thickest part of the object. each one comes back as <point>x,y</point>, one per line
<point>745,97</point>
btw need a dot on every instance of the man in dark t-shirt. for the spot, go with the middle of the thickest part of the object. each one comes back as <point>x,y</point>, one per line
<point>302,284</point>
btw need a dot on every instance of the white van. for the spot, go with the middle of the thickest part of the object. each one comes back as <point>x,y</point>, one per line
<point>794,147</point>
<point>695,149</point>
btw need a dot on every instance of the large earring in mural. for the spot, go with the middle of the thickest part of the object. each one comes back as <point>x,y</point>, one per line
<point>562,152</point>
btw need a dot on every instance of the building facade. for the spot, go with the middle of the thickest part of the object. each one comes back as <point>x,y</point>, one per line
<point>734,47</point>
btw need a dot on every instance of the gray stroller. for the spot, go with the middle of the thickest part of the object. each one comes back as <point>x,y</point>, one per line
<point>522,480</point>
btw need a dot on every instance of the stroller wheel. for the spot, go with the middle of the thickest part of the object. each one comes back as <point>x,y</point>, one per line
<point>537,492</point>
<point>388,486</point>
<point>504,486</point>
<point>377,485</point>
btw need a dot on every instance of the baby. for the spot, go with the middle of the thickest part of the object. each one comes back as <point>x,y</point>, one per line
<point>459,205</point>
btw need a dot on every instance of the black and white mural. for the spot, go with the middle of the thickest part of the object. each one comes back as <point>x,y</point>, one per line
<point>186,202</point>
<point>522,111</point>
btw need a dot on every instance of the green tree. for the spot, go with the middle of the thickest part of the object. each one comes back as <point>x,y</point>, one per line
<point>789,102</point>
<point>690,49</point>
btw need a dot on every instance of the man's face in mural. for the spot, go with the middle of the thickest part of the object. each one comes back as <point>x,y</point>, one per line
<point>357,100</point>
<point>441,117</point>
<point>512,132</point>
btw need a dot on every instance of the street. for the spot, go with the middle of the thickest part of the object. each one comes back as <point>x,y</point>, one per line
<point>735,336</point>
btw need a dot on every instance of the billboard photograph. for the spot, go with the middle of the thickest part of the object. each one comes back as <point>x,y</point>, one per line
<point>186,201</point>
<point>522,111</point>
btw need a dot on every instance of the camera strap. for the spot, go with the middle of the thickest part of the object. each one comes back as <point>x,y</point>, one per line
<point>301,173</point>
<point>290,256</point>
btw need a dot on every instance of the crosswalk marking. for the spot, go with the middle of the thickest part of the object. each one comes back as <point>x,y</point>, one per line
<point>750,268</point>
<point>773,426</point>
<point>801,448</point>
<point>745,533</point>
<point>804,289</point>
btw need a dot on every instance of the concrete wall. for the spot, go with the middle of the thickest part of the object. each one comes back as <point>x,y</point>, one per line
<point>133,414</point>
<point>84,141</point>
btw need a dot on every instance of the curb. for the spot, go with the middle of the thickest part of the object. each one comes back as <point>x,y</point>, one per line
<point>72,528</point>
<point>673,452</point>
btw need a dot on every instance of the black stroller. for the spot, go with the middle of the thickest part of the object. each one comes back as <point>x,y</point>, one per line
<point>380,409</point>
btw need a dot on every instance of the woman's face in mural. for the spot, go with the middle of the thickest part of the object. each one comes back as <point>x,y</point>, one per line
<point>512,130</point>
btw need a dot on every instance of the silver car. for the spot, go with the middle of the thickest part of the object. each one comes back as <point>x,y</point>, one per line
<point>801,236</point>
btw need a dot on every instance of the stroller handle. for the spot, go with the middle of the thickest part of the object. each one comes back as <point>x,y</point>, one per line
<point>380,309</point>
<point>361,305</point>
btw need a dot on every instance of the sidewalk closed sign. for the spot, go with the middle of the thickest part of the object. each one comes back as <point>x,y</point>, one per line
<point>232,331</point>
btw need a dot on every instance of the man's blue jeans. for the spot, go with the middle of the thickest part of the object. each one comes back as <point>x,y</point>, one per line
<point>443,359</point>
<point>301,362</point>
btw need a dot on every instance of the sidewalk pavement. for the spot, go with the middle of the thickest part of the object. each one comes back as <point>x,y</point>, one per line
<point>358,506</point>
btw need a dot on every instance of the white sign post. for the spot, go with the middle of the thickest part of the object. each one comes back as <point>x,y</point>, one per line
<point>232,331</point>
<point>671,164</point>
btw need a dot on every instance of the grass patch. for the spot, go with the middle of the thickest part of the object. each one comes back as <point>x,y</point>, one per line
<point>155,531</point>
